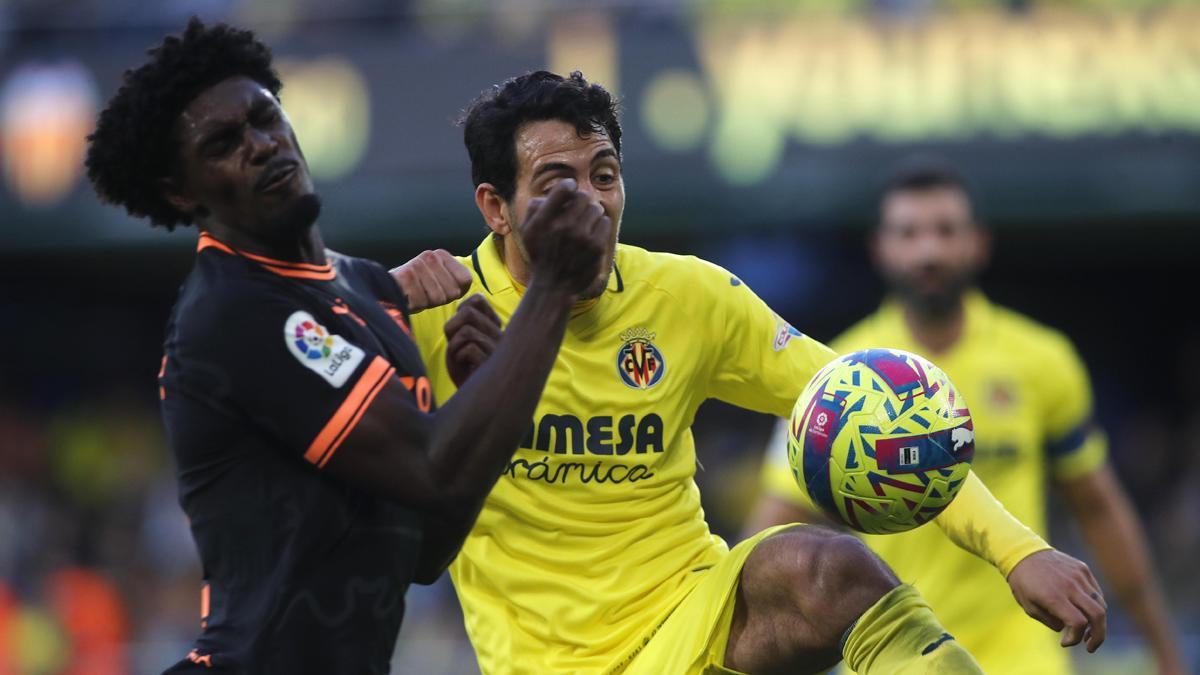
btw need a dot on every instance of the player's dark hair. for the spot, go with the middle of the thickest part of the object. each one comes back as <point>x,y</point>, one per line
<point>490,123</point>
<point>924,172</point>
<point>133,147</point>
<point>920,173</point>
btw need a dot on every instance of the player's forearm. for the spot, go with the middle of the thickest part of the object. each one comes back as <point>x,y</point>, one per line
<point>1111,529</point>
<point>478,429</point>
<point>979,524</point>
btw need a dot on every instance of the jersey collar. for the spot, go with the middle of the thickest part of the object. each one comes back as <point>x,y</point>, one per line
<point>977,310</point>
<point>494,276</point>
<point>283,268</point>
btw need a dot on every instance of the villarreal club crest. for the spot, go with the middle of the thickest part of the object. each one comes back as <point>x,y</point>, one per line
<point>639,363</point>
<point>881,440</point>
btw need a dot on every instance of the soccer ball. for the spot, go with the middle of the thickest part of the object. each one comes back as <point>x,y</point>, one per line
<point>881,440</point>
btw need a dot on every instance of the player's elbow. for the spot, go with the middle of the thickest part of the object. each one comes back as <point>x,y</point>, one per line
<point>444,536</point>
<point>428,572</point>
<point>1096,509</point>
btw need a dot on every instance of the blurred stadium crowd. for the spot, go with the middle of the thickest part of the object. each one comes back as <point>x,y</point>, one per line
<point>98,572</point>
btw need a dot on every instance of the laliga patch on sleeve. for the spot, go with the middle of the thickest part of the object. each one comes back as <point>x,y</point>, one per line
<point>784,333</point>
<point>320,351</point>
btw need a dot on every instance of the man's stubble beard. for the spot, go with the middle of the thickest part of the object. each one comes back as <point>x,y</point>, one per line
<point>937,305</point>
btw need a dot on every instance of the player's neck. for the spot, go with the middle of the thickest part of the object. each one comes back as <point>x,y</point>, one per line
<point>513,261</point>
<point>936,333</point>
<point>518,271</point>
<point>308,247</point>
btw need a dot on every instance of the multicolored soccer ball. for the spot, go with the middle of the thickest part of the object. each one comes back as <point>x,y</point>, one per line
<point>881,441</point>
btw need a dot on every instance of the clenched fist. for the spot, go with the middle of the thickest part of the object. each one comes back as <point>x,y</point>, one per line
<point>567,237</point>
<point>471,337</point>
<point>432,279</point>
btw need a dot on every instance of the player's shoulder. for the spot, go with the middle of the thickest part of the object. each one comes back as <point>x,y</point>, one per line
<point>352,265</point>
<point>219,283</point>
<point>862,334</point>
<point>1025,335</point>
<point>224,294</point>
<point>672,272</point>
<point>367,276</point>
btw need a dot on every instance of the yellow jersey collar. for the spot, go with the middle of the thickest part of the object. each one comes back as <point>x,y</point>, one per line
<point>976,311</point>
<point>493,274</point>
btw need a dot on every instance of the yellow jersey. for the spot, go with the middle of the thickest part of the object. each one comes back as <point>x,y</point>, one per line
<point>1031,405</point>
<point>594,532</point>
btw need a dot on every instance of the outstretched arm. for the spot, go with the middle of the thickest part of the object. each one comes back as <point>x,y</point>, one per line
<point>1112,530</point>
<point>1052,587</point>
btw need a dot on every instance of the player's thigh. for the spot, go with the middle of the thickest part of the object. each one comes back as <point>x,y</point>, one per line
<point>692,640</point>
<point>800,590</point>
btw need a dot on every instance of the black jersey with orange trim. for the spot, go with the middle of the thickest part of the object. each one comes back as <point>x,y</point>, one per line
<point>269,365</point>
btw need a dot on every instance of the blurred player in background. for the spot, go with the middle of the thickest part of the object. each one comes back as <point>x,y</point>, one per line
<point>318,479</point>
<point>592,554</point>
<point>1030,400</point>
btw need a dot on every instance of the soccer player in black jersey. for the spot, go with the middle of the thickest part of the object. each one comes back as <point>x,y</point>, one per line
<point>317,477</point>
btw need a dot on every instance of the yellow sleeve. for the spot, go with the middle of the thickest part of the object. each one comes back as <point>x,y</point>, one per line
<point>980,525</point>
<point>974,521</point>
<point>761,362</point>
<point>1074,444</point>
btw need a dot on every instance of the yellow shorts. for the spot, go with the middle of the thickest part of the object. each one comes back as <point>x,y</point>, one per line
<point>693,638</point>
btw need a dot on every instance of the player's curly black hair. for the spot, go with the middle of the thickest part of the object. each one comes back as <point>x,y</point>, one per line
<point>490,123</point>
<point>132,147</point>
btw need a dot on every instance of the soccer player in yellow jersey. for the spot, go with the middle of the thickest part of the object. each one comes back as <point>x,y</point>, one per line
<point>591,555</point>
<point>1029,398</point>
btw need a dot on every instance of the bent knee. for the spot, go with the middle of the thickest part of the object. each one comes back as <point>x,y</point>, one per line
<point>843,566</point>
<point>829,572</point>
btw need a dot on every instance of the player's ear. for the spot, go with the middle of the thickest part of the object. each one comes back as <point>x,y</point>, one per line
<point>492,207</point>
<point>171,192</point>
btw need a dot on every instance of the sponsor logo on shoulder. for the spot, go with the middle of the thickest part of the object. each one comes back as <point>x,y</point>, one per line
<point>320,351</point>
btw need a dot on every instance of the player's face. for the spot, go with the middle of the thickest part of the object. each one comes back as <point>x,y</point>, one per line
<point>928,247</point>
<point>549,151</point>
<point>239,162</point>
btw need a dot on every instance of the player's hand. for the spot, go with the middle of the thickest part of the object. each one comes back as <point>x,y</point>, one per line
<point>1061,592</point>
<point>471,337</point>
<point>566,236</point>
<point>432,279</point>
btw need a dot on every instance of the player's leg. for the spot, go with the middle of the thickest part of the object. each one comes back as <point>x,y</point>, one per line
<point>808,597</point>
